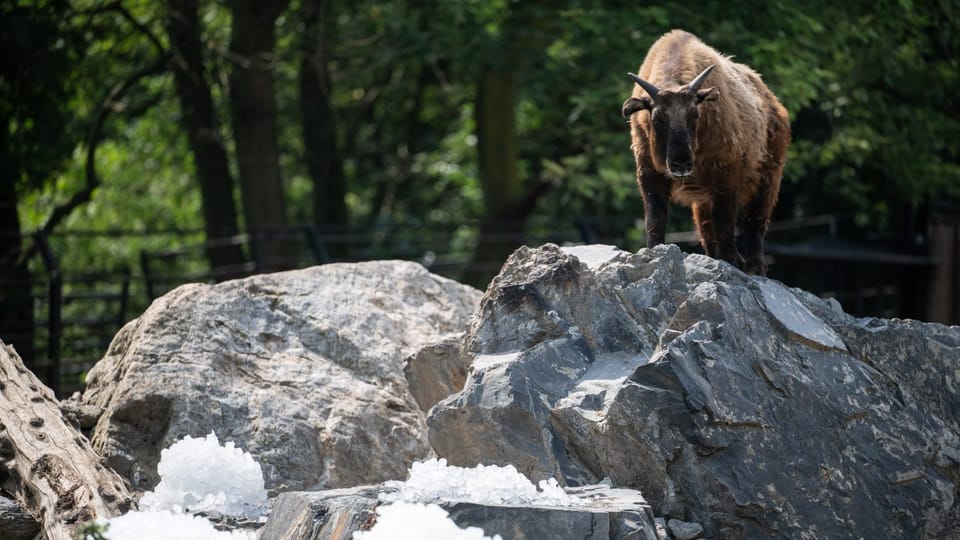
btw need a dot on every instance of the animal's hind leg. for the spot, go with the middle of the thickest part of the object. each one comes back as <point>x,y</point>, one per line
<point>754,219</point>
<point>756,215</point>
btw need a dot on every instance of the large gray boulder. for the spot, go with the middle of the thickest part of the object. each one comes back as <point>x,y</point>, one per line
<point>728,400</point>
<point>303,369</point>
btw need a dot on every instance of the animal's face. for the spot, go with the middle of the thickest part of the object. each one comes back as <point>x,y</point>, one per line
<point>672,122</point>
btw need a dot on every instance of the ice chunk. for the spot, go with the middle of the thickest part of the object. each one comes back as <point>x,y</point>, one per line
<point>433,480</point>
<point>416,521</point>
<point>164,524</point>
<point>200,475</point>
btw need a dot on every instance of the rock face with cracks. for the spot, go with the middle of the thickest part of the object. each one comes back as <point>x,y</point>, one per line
<point>303,369</point>
<point>729,401</point>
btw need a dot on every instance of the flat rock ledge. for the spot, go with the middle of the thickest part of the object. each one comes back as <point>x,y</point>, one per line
<point>609,513</point>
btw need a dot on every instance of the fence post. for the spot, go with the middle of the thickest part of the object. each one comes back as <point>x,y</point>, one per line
<point>54,322</point>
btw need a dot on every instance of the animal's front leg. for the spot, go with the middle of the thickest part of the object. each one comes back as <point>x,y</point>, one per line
<point>716,224</point>
<point>655,202</point>
<point>725,223</point>
<point>703,221</point>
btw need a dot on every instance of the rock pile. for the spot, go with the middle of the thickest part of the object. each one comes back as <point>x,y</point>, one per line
<point>728,400</point>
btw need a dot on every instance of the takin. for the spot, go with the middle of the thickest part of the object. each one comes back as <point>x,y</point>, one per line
<point>707,133</point>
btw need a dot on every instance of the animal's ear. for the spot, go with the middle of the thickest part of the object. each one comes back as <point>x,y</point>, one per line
<point>707,94</point>
<point>632,105</point>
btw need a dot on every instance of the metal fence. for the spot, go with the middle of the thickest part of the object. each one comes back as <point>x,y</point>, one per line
<point>76,315</point>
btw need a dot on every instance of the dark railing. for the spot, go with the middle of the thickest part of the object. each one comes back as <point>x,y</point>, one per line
<point>51,374</point>
<point>77,315</point>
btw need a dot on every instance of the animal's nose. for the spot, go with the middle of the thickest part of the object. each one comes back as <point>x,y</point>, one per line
<point>681,166</point>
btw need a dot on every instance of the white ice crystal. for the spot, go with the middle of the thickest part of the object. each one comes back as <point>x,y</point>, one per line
<point>200,475</point>
<point>433,480</point>
<point>415,521</point>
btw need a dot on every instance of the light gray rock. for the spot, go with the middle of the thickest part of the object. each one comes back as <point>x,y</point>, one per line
<point>755,410</point>
<point>614,514</point>
<point>333,514</point>
<point>303,369</point>
<point>684,530</point>
<point>661,525</point>
<point>436,371</point>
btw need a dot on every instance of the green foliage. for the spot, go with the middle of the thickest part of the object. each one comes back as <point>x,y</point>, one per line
<point>92,531</point>
<point>36,82</point>
<point>870,89</point>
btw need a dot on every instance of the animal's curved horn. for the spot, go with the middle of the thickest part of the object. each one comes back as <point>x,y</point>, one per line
<point>694,85</point>
<point>651,89</point>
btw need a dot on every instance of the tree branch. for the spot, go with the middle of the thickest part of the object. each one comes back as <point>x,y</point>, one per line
<point>107,106</point>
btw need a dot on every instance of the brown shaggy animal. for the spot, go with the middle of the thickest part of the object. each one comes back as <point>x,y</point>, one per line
<point>708,134</point>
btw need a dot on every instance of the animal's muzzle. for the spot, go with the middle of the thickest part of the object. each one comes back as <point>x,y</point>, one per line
<point>680,166</point>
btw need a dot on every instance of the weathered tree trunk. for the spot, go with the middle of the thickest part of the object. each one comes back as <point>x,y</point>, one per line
<point>318,123</point>
<point>254,116</point>
<point>203,132</point>
<point>48,465</point>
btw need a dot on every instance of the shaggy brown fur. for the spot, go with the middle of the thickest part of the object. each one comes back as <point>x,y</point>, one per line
<point>735,131</point>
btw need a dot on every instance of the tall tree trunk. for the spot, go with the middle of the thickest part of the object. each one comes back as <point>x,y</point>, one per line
<point>505,214</point>
<point>318,122</point>
<point>203,132</point>
<point>16,299</point>
<point>253,112</point>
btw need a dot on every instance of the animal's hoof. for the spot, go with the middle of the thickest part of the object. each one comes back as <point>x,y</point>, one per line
<point>757,267</point>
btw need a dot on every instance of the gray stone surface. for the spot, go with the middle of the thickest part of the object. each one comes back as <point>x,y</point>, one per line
<point>614,514</point>
<point>322,515</point>
<point>15,522</point>
<point>303,369</point>
<point>436,371</point>
<point>684,530</point>
<point>730,401</point>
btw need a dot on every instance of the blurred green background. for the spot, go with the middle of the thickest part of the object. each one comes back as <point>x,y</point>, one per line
<point>204,140</point>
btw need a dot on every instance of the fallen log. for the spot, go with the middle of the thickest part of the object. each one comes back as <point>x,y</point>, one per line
<point>45,463</point>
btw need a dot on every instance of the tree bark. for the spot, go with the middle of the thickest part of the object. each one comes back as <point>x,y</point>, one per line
<point>503,195</point>
<point>253,113</point>
<point>943,297</point>
<point>508,202</point>
<point>48,465</point>
<point>203,132</point>
<point>318,122</point>
<point>16,298</point>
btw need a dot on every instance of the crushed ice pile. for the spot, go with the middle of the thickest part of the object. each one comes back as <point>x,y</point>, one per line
<point>165,525</point>
<point>433,480</point>
<point>415,521</point>
<point>412,514</point>
<point>196,475</point>
<point>200,475</point>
